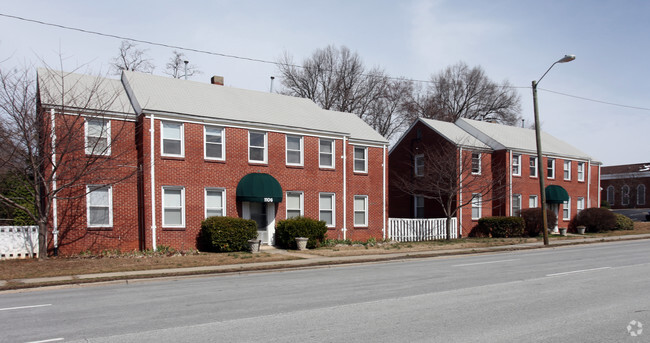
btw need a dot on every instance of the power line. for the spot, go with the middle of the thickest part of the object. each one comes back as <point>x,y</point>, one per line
<point>598,101</point>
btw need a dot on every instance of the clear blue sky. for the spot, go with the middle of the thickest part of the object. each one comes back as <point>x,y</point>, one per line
<point>512,40</point>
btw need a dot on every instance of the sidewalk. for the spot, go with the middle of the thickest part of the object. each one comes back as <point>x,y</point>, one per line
<point>304,261</point>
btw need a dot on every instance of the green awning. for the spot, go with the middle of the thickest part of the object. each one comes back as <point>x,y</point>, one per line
<point>556,194</point>
<point>258,187</point>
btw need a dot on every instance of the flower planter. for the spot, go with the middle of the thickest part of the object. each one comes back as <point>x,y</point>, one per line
<point>254,245</point>
<point>301,242</point>
<point>581,230</point>
<point>562,231</point>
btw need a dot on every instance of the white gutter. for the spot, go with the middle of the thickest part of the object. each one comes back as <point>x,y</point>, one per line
<point>152,132</point>
<point>589,184</point>
<point>384,193</point>
<point>345,188</point>
<point>460,197</point>
<point>509,200</point>
<point>55,216</point>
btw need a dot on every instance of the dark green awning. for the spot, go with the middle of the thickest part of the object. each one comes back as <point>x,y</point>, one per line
<point>258,187</point>
<point>556,194</point>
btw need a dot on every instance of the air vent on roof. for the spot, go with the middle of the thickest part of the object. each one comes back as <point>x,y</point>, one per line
<point>217,80</point>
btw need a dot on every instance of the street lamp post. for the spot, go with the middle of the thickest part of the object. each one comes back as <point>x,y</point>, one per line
<point>540,168</point>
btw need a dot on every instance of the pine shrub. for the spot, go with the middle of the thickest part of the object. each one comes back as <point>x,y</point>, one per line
<point>226,234</point>
<point>287,230</point>
<point>623,222</point>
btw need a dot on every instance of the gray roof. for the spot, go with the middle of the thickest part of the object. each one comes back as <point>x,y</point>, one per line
<point>454,134</point>
<point>82,92</point>
<point>157,94</point>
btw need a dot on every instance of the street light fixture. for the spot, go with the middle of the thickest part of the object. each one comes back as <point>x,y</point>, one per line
<point>540,169</point>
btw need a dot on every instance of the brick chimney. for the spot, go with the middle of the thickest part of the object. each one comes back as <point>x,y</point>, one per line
<point>217,80</point>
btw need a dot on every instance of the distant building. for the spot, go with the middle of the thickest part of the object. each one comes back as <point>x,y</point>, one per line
<point>626,186</point>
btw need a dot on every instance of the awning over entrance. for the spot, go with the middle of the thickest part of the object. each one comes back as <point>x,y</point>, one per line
<point>258,187</point>
<point>556,194</point>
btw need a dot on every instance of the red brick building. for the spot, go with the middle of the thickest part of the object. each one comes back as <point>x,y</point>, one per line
<point>626,186</point>
<point>203,149</point>
<point>504,157</point>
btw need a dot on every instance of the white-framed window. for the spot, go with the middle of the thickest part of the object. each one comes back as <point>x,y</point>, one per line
<point>360,210</point>
<point>214,143</point>
<point>476,163</point>
<point>326,153</point>
<point>361,159</point>
<point>294,150</point>
<point>173,205</point>
<point>611,195</point>
<point>533,166</point>
<point>567,170</point>
<point>172,139</point>
<point>533,201</point>
<point>215,202</point>
<point>327,206</point>
<point>257,143</point>
<point>516,205</point>
<point>581,171</point>
<point>625,195</point>
<point>566,210</point>
<point>580,204</point>
<point>640,194</point>
<point>516,164</point>
<point>550,168</point>
<point>418,165</point>
<point>294,204</point>
<point>418,206</point>
<point>98,136</point>
<point>99,206</point>
<point>476,206</point>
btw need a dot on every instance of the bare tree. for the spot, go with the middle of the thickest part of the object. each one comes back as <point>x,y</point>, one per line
<point>336,79</point>
<point>178,66</point>
<point>463,92</point>
<point>43,121</point>
<point>131,58</point>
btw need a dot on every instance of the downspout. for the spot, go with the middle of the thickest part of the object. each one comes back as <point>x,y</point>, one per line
<point>152,132</point>
<point>345,188</point>
<point>55,215</point>
<point>460,195</point>
<point>589,184</point>
<point>384,193</point>
<point>509,164</point>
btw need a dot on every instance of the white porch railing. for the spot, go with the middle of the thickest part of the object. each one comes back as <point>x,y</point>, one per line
<point>415,230</point>
<point>18,241</point>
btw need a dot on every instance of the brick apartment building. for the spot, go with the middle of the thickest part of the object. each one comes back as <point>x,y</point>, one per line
<point>626,186</point>
<point>181,151</point>
<point>504,157</point>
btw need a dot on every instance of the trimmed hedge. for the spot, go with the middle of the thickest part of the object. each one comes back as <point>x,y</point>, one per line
<point>533,221</point>
<point>623,222</point>
<point>225,234</point>
<point>287,230</point>
<point>500,227</point>
<point>596,219</point>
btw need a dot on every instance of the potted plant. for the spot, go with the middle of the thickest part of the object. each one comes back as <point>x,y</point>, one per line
<point>581,229</point>
<point>301,243</point>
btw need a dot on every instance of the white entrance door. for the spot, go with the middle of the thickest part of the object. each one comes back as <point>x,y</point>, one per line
<point>264,215</point>
<point>555,208</point>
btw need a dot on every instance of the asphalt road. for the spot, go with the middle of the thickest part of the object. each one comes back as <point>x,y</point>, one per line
<point>587,293</point>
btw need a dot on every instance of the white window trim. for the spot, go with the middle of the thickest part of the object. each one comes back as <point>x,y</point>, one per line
<point>365,210</point>
<point>333,196</point>
<point>535,203</point>
<point>581,175</point>
<point>552,160</point>
<point>480,156</point>
<point>535,168</point>
<point>567,177</point>
<point>518,164</point>
<point>205,143</point>
<point>302,203</point>
<point>182,189</point>
<point>365,159</point>
<point>90,150</point>
<point>580,204</point>
<point>415,206</point>
<point>110,205</point>
<point>266,147</point>
<point>302,150</point>
<point>613,198</point>
<point>623,194</point>
<point>477,204</point>
<point>416,170</point>
<point>566,209</point>
<point>205,201</point>
<point>512,203</point>
<point>162,139</point>
<point>333,153</point>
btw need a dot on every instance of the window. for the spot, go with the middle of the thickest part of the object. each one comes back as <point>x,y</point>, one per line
<point>173,203</point>
<point>567,170</point>
<point>550,168</point>
<point>418,165</point>
<point>566,210</point>
<point>418,206</point>
<point>294,150</point>
<point>581,171</point>
<point>215,202</point>
<point>98,137</point>
<point>294,204</point>
<point>516,165</point>
<point>532,201</point>
<point>516,204</point>
<point>580,204</point>
<point>476,163</point>
<point>99,206</point>
<point>172,139</point>
<point>326,208</point>
<point>610,195</point>
<point>360,159</point>
<point>326,153</point>
<point>640,194</point>
<point>257,147</point>
<point>360,210</point>
<point>214,143</point>
<point>625,195</point>
<point>476,206</point>
<point>533,166</point>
